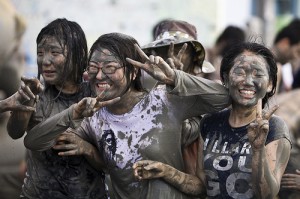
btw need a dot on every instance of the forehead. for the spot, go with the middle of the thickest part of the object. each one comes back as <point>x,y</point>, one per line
<point>49,41</point>
<point>249,59</point>
<point>103,55</point>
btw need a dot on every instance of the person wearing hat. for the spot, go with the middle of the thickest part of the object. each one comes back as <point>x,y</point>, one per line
<point>177,40</point>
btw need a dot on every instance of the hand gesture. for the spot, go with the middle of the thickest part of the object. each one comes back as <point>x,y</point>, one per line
<point>71,144</point>
<point>148,169</point>
<point>291,181</point>
<point>259,129</point>
<point>155,66</point>
<point>175,60</point>
<point>89,105</point>
<point>28,91</point>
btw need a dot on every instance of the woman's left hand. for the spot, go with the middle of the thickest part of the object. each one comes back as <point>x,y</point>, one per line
<point>259,129</point>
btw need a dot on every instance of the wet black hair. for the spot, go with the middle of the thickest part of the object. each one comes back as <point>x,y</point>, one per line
<point>70,35</point>
<point>121,46</point>
<point>258,49</point>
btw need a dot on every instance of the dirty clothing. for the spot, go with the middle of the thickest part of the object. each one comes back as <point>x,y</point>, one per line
<point>228,155</point>
<point>52,176</point>
<point>151,130</point>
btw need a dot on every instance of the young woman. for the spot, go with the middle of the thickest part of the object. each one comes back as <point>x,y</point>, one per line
<point>243,150</point>
<point>141,125</point>
<point>61,58</point>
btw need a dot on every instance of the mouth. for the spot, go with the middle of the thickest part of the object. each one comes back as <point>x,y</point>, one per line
<point>102,86</point>
<point>48,72</point>
<point>247,93</point>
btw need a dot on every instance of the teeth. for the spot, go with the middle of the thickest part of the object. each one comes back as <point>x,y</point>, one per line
<point>102,85</point>
<point>247,92</point>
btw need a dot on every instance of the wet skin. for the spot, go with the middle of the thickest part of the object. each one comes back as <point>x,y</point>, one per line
<point>51,60</point>
<point>248,79</point>
<point>113,84</point>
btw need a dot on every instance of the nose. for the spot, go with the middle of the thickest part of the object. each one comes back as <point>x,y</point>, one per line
<point>249,80</point>
<point>100,75</point>
<point>46,60</point>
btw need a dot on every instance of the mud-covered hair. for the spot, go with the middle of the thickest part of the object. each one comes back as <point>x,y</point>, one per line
<point>70,35</point>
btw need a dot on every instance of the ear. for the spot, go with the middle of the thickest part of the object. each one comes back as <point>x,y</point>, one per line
<point>270,86</point>
<point>135,72</point>
<point>226,81</point>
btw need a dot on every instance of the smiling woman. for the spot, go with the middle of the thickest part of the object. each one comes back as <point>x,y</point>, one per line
<point>243,150</point>
<point>61,58</point>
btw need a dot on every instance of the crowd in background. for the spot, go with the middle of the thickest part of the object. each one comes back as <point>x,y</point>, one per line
<point>59,162</point>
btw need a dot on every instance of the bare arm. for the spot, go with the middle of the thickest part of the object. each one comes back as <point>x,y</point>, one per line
<point>189,184</point>
<point>268,162</point>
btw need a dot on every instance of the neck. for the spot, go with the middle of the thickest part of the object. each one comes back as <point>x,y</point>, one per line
<point>127,102</point>
<point>67,87</point>
<point>241,116</point>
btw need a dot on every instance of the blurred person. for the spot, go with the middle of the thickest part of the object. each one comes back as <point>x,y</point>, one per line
<point>231,35</point>
<point>286,48</point>
<point>12,28</point>
<point>61,59</point>
<point>243,150</point>
<point>177,39</point>
<point>289,106</point>
<point>141,124</point>
<point>12,153</point>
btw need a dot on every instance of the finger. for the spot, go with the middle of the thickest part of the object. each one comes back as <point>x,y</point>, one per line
<point>156,60</point>
<point>25,108</point>
<point>28,91</point>
<point>108,102</point>
<point>23,95</point>
<point>170,61</point>
<point>181,51</point>
<point>268,114</point>
<point>171,50</point>
<point>137,64</point>
<point>259,109</point>
<point>141,52</point>
<point>68,153</point>
<point>64,146</point>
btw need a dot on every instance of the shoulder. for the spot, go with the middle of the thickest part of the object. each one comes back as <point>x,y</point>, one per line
<point>278,129</point>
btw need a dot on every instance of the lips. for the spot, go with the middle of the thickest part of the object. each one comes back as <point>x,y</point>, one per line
<point>247,93</point>
<point>102,86</point>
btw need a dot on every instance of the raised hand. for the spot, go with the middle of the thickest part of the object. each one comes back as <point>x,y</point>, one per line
<point>258,130</point>
<point>175,60</point>
<point>155,66</point>
<point>89,105</point>
<point>148,169</point>
<point>31,85</point>
<point>68,143</point>
<point>291,181</point>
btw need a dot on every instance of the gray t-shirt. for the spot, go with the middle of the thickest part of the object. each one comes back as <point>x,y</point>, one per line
<point>151,130</point>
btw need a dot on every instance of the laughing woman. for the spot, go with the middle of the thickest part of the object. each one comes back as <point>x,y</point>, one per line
<point>243,150</point>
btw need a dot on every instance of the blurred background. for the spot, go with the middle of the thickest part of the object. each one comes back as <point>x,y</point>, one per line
<point>262,18</point>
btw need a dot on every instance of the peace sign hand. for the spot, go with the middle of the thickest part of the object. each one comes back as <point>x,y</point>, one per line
<point>259,129</point>
<point>89,105</point>
<point>155,66</point>
<point>175,60</point>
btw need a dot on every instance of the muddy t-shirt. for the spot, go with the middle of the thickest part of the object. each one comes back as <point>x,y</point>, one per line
<point>150,131</point>
<point>52,176</point>
<point>228,155</point>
